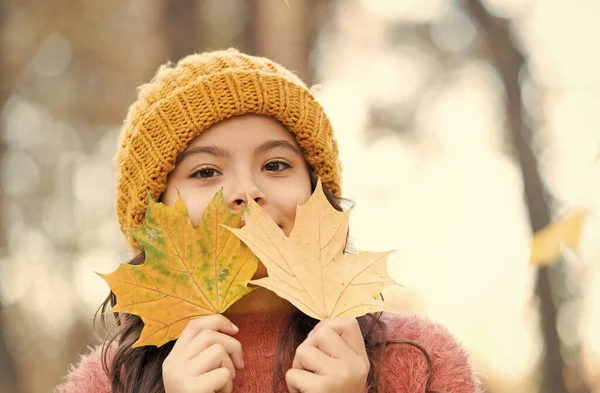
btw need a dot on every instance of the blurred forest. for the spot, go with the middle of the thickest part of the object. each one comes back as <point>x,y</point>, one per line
<point>465,126</point>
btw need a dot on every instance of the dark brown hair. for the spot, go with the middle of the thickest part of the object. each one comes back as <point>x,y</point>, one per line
<point>139,369</point>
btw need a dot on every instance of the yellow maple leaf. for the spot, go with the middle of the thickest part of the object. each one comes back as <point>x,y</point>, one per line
<point>309,268</point>
<point>546,243</point>
<point>189,270</point>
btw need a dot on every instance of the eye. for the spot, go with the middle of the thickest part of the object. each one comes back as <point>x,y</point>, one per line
<point>276,166</point>
<point>206,173</point>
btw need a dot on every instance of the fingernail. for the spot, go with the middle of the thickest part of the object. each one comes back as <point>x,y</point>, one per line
<point>235,328</point>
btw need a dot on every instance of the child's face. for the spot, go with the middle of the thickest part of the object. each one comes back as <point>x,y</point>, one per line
<point>250,154</point>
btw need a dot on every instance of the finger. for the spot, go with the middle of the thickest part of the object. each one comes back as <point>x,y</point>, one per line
<point>206,338</point>
<point>348,329</point>
<point>218,380</point>
<point>302,381</point>
<point>213,358</point>
<point>312,359</point>
<point>215,322</point>
<point>331,343</point>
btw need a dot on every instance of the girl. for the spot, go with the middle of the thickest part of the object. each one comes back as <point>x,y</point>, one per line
<point>246,124</point>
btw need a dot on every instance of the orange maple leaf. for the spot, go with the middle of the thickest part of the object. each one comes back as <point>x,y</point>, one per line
<point>189,271</point>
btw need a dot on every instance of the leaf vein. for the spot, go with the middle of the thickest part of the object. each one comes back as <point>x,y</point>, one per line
<point>354,278</point>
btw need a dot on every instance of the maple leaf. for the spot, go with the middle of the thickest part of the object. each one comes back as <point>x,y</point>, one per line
<point>309,268</point>
<point>189,270</point>
<point>547,242</point>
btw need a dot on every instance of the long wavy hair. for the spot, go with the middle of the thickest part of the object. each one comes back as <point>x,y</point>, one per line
<point>133,370</point>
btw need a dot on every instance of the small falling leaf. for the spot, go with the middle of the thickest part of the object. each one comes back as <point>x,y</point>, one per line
<point>309,268</point>
<point>546,243</point>
<point>189,271</point>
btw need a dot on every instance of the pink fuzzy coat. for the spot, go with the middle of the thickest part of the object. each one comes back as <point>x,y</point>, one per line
<point>404,367</point>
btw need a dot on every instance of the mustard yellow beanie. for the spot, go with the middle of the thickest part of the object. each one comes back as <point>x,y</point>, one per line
<point>200,90</point>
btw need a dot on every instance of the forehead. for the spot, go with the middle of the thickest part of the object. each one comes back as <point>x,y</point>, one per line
<point>246,131</point>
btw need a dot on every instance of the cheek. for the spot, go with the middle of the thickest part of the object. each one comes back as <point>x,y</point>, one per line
<point>195,208</point>
<point>195,214</point>
<point>194,203</point>
<point>290,198</point>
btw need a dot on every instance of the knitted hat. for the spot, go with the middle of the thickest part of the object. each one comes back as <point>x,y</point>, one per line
<point>200,90</point>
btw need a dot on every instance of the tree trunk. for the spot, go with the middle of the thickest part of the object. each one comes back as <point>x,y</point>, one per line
<point>508,61</point>
<point>181,28</point>
<point>281,34</point>
<point>8,374</point>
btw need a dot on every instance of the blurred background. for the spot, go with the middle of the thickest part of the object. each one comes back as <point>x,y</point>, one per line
<point>464,127</point>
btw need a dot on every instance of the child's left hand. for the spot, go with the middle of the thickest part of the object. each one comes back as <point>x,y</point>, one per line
<point>332,359</point>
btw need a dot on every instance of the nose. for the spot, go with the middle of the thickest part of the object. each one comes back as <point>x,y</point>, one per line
<point>237,200</point>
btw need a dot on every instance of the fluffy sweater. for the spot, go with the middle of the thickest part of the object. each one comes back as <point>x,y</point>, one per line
<point>404,367</point>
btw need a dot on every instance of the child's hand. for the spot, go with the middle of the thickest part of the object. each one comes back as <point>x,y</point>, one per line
<point>332,359</point>
<point>204,357</point>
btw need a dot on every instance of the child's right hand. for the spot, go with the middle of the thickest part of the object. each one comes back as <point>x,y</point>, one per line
<point>204,357</point>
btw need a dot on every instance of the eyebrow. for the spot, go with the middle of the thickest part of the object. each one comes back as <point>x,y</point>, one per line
<point>277,143</point>
<point>214,150</point>
<point>219,151</point>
